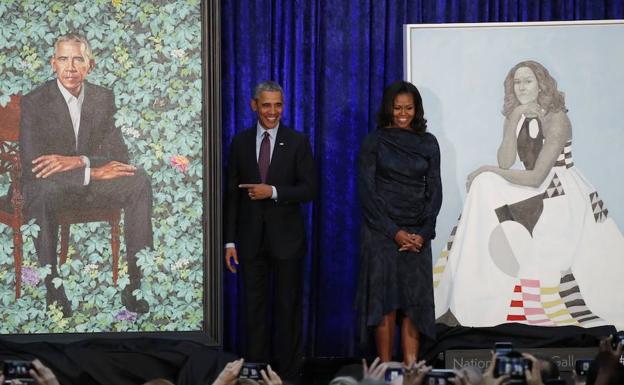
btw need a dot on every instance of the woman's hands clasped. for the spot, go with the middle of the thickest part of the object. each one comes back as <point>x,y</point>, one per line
<point>408,241</point>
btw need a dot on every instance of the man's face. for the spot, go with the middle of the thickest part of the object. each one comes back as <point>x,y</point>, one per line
<point>268,106</point>
<point>71,65</point>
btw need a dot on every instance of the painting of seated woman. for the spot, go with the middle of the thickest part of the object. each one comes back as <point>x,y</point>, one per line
<point>534,243</point>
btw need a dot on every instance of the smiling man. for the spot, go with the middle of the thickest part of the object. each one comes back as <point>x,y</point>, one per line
<point>270,173</point>
<point>73,156</point>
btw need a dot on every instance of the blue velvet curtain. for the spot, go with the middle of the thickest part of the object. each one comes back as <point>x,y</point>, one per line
<point>333,59</point>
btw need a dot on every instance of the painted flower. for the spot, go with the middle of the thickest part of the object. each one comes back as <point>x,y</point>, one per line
<point>180,162</point>
<point>25,65</point>
<point>130,131</point>
<point>126,315</point>
<point>180,264</point>
<point>178,53</point>
<point>92,269</point>
<point>159,103</point>
<point>30,276</point>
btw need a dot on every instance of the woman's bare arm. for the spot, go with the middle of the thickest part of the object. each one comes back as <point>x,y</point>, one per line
<point>557,132</point>
<point>507,150</point>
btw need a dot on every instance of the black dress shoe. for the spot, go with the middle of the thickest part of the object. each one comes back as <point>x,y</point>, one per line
<point>131,302</point>
<point>57,295</point>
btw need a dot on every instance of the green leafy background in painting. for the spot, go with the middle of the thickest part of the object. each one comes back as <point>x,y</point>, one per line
<point>149,53</point>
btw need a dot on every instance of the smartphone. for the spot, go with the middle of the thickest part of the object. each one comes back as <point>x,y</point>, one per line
<point>17,370</point>
<point>617,338</point>
<point>392,373</point>
<point>252,370</point>
<point>581,367</point>
<point>438,377</point>
<point>514,365</point>
<point>502,348</point>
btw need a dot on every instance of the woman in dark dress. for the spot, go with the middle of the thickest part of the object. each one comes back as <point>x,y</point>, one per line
<point>400,193</point>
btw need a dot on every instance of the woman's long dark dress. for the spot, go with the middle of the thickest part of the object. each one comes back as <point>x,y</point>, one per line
<point>399,188</point>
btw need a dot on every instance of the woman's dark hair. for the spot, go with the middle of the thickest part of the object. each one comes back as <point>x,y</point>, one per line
<point>549,97</point>
<point>384,117</point>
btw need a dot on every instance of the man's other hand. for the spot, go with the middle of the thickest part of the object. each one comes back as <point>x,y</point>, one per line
<point>258,191</point>
<point>47,165</point>
<point>112,170</point>
<point>230,253</point>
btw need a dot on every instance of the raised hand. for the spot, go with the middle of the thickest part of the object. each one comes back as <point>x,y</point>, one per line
<point>229,374</point>
<point>257,191</point>
<point>376,371</point>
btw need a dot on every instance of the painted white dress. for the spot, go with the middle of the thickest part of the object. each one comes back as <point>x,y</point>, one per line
<point>546,256</point>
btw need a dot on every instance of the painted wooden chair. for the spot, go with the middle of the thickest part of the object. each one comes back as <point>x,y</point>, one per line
<point>11,205</point>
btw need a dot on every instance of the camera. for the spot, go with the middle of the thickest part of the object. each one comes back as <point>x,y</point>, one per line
<point>438,377</point>
<point>617,338</point>
<point>581,367</point>
<point>252,370</point>
<point>513,364</point>
<point>392,373</point>
<point>17,370</point>
<point>502,348</point>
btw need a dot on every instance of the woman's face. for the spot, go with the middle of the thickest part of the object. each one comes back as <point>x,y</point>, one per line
<point>526,86</point>
<point>403,111</point>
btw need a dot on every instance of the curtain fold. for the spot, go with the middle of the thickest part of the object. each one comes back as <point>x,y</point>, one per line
<point>333,60</point>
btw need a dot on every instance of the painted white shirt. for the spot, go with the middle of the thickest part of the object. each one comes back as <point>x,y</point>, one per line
<point>74,104</point>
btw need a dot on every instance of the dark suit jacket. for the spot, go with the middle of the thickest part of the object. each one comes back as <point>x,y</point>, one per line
<point>279,222</point>
<point>46,128</point>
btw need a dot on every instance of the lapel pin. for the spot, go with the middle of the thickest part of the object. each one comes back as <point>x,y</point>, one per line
<point>281,143</point>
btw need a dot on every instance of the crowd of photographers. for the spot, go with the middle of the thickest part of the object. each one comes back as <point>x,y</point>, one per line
<point>506,367</point>
<point>35,372</point>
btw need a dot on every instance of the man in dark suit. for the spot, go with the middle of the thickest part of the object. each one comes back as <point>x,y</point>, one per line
<point>73,156</point>
<point>270,173</point>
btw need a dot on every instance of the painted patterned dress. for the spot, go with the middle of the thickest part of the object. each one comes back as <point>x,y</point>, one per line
<point>548,256</point>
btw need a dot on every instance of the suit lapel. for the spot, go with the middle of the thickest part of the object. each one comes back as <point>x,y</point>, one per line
<point>250,153</point>
<point>86,119</point>
<point>281,144</point>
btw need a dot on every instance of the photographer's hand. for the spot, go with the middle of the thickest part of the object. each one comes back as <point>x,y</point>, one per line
<point>415,373</point>
<point>576,379</point>
<point>42,374</point>
<point>488,376</point>
<point>376,370</point>
<point>459,379</point>
<point>533,376</point>
<point>229,374</point>
<point>270,377</point>
<point>606,346</point>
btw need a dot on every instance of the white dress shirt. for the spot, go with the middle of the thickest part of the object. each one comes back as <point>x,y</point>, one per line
<point>74,104</point>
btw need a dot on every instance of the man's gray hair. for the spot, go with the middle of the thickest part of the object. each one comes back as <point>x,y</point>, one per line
<point>267,86</point>
<point>76,38</point>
